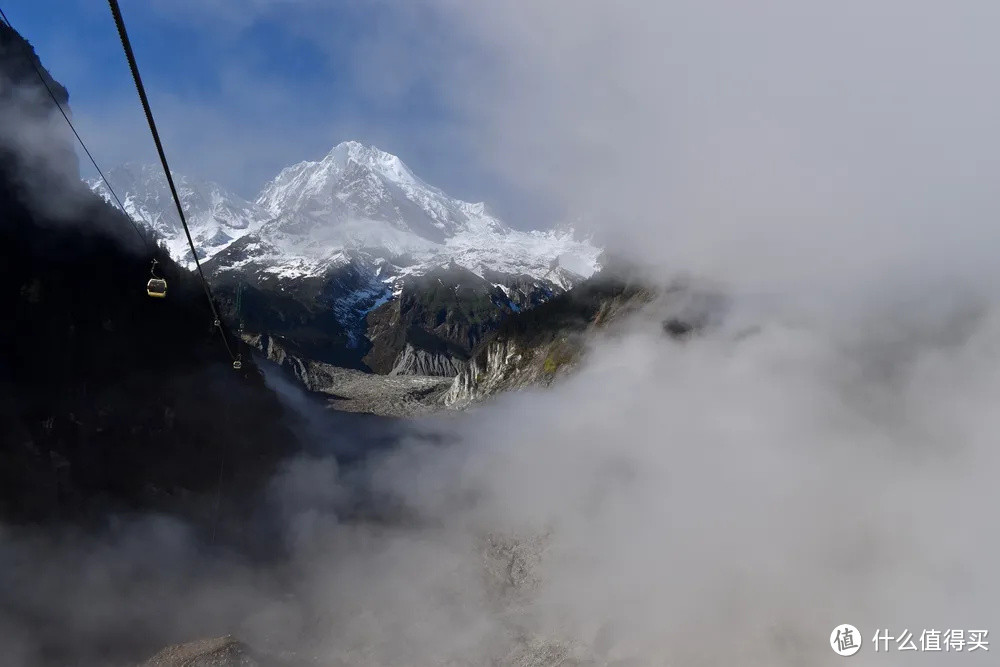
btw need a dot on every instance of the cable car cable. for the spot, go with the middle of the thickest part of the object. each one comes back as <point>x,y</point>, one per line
<point>107,184</point>
<point>236,359</point>
<point>127,46</point>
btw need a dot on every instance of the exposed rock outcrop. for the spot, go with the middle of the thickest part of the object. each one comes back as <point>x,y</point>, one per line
<point>217,652</point>
<point>413,361</point>
<point>540,345</point>
<point>276,350</point>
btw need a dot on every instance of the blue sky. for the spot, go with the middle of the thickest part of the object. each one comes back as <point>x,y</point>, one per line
<point>241,90</point>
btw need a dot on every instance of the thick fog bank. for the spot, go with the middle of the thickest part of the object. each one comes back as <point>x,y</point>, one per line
<point>724,500</point>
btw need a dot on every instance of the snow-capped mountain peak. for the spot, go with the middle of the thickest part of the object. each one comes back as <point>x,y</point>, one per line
<point>358,200</point>
<point>358,182</point>
<point>386,164</point>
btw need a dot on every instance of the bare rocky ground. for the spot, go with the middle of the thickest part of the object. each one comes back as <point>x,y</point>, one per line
<point>386,395</point>
<point>352,390</point>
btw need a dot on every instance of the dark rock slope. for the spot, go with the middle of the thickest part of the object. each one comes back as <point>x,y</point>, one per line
<point>108,398</point>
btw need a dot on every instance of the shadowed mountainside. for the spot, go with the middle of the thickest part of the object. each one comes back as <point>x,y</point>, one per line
<point>108,398</point>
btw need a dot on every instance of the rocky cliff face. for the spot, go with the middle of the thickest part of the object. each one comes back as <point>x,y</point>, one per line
<point>540,345</point>
<point>414,361</point>
<point>108,398</point>
<point>439,318</point>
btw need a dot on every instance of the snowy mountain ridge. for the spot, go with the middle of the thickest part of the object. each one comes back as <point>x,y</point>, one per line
<point>356,203</point>
<point>216,217</point>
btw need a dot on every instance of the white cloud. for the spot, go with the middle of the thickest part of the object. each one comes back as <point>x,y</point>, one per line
<point>777,143</point>
<point>715,502</point>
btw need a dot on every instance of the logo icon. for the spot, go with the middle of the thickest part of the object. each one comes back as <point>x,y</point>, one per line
<point>845,640</point>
